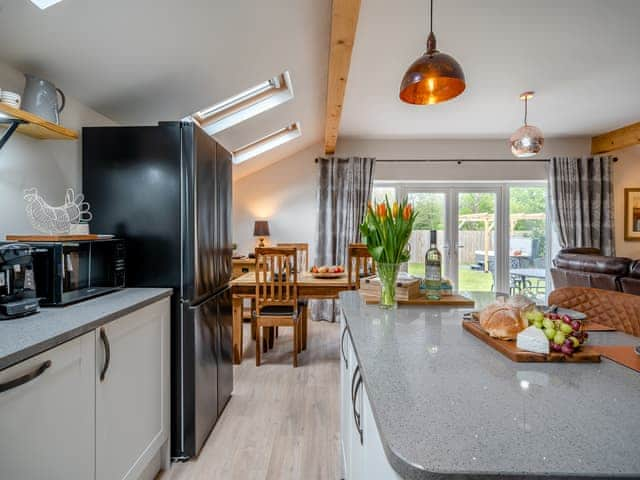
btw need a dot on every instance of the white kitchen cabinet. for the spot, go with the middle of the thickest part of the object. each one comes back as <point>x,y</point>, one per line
<point>132,391</point>
<point>363,454</point>
<point>345,398</point>
<point>376,465</point>
<point>47,423</point>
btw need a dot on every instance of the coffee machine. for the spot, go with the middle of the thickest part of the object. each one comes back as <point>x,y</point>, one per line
<point>17,281</point>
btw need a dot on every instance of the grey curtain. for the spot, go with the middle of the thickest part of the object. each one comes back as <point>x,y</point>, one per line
<point>582,202</point>
<point>345,186</point>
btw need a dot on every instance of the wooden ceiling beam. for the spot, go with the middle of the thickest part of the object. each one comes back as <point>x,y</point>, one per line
<point>616,139</point>
<point>344,21</point>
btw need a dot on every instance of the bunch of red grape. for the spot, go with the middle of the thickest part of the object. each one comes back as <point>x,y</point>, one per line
<point>564,333</point>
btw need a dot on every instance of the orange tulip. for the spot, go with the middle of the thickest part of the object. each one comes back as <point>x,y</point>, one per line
<point>406,213</point>
<point>370,206</point>
<point>382,211</point>
<point>394,210</point>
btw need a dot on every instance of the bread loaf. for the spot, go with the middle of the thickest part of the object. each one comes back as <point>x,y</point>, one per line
<point>504,320</point>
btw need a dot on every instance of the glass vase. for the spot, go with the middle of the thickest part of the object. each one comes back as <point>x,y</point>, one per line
<point>388,275</point>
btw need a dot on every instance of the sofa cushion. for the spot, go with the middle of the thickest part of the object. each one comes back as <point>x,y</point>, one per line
<point>593,263</point>
<point>575,278</point>
<point>634,271</point>
<point>630,285</point>
<point>582,250</point>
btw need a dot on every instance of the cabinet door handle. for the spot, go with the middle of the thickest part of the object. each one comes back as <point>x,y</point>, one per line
<point>25,378</point>
<point>107,353</point>
<point>353,382</point>
<point>357,415</point>
<point>346,362</point>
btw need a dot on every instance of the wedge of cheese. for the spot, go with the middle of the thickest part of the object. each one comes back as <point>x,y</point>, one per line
<point>533,339</point>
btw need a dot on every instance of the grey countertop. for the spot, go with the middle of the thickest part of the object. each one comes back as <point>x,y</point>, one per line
<point>28,336</point>
<point>449,406</point>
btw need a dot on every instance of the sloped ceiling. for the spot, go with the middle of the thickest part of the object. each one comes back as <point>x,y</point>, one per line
<point>141,61</point>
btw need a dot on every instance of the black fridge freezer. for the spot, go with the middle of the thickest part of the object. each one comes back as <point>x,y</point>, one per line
<point>166,190</point>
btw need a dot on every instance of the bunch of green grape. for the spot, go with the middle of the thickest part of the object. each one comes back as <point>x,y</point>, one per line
<point>564,333</point>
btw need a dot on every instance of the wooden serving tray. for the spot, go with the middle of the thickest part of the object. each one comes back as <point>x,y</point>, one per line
<point>586,354</point>
<point>52,238</point>
<point>450,300</point>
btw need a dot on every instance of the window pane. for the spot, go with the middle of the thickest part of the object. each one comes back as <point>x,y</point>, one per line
<point>527,239</point>
<point>476,241</point>
<point>380,192</point>
<point>430,209</point>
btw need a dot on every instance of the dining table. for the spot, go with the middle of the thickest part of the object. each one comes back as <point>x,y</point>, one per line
<point>309,288</point>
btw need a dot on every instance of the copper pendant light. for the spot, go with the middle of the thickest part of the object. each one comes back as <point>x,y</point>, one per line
<point>528,140</point>
<point>434,77</point>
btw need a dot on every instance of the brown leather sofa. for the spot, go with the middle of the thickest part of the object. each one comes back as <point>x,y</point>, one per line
<point>614,309</point>
<point>585,267</point>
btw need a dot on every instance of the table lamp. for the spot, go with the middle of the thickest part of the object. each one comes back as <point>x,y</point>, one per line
<point>261,230</point>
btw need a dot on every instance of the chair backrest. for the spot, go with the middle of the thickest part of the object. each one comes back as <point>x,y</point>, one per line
<point>276,277</point>
<point>359,264</point>
<point>614,309</point>
<point>302,250</point>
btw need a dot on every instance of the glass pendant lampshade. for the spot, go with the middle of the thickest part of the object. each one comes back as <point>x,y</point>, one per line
<point>528,140</point>
<point>433,78</point>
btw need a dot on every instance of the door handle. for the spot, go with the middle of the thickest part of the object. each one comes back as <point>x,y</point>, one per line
<point>357,415</point>
<point>107,353</point>
<point>25,378</point>
<point>346,362</point>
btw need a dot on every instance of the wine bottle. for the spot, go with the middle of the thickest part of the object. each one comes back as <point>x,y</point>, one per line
<point>433,269</point>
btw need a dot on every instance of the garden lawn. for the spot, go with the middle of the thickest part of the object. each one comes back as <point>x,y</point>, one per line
<point>470,280</point>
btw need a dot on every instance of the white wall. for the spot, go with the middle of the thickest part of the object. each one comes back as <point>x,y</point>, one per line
<point>626,174</point>
<point>457,150</point>
<point>285,194</point>
<point>51,166</point>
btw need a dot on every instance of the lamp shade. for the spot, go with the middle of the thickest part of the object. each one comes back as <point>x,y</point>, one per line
<point>261,228</point>
<point>433,78</point>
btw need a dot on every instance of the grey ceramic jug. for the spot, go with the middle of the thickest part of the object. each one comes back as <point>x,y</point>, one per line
<point>41,98</point>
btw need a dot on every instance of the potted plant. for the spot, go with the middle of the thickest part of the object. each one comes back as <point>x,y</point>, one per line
<point>386,230</point>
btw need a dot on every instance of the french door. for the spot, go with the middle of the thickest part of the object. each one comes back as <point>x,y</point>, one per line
<point>493,237</point>
<point>466,219</point>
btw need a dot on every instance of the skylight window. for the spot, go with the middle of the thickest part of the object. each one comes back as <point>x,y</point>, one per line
<point>271,141</point>
<point>42,4</point>
<point>246,104</point>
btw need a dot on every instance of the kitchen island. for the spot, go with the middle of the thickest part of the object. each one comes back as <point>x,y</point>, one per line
<point>423,399</point>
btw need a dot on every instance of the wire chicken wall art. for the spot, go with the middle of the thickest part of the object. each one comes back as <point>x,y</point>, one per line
<point>56,220</point>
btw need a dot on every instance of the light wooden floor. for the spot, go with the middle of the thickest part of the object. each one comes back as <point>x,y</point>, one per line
<point>281,423</point>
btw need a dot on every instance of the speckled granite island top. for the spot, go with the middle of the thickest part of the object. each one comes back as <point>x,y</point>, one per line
<point>28,336</point>
<point>448,406</point>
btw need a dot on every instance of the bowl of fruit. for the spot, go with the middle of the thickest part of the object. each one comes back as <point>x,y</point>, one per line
<point>327,271</point>
<point>565,334</point>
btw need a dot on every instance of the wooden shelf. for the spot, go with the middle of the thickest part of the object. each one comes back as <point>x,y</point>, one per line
<point>37,127</point>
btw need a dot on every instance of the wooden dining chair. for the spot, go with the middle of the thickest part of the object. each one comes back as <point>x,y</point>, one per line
<point>360,264</point>
<point>277,295</point>
<point>302,253</point>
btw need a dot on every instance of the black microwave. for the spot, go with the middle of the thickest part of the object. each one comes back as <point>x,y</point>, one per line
<point>71,271</point>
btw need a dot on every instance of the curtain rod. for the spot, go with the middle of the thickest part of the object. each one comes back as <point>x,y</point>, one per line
<point>460,161</point>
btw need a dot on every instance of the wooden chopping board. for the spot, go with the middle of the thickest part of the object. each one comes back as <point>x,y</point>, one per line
<point>586,354</point>
<point>450,300</point>
<point>52,238</point>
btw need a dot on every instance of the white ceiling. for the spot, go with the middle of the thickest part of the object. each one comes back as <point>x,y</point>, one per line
<point>140,61</point>
<point>582,57</point>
